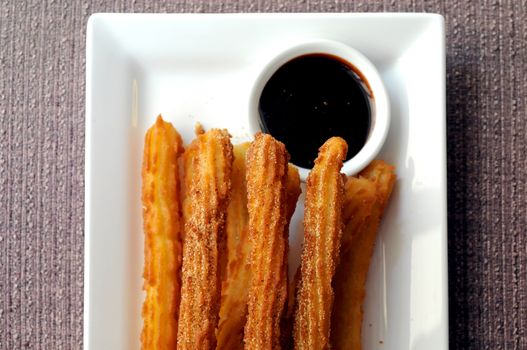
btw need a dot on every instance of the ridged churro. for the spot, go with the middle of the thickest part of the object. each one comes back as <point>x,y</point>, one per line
<point>162,227</point>
<point>267,204</point>
<point>236,277</point>
<point>207,169</point>
<point>360,196</point>
<point>286,324</point>
<point>286,328</point>
<point>233,310</point>
<point>322,234</point>
<point>366,198</point>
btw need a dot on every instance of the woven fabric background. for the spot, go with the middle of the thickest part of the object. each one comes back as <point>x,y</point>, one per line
<point>42,63</point>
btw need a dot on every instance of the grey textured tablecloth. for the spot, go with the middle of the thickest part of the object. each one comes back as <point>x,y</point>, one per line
<point>42,60</point>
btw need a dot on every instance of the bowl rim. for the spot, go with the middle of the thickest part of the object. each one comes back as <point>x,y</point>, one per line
<point>379,102</point>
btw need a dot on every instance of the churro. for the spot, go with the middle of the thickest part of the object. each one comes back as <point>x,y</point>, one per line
<point>207,169</point>
<point>267,205</point>
<point>366,199</point>
<point>233,310</point>
<point>236,277</point>
<point>322,234</point>
<point>162,227</point>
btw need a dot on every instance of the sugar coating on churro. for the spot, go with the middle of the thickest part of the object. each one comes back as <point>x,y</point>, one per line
<point>266,195</point>
<point>236,283</point>
<point>207,169</point>
<point>322,233</point>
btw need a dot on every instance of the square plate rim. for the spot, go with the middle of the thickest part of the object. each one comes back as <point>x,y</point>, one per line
<point>107,16</point>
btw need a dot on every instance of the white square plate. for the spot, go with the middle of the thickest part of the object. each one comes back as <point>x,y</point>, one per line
<point>199,68</point>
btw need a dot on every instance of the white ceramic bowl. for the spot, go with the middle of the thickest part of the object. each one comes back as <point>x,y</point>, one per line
<point>380,111</point>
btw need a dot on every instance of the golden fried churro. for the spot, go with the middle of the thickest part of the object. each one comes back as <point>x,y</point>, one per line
<point>359,197</point>
<point>293,192</point>
<point>366,199</point>
<point>233,310</point>
<point>266,196</point>
<point>207,165</point>
<point>237,273</point>
<point>237,216</point>
<point>322,233</point>
<point>286,324</point>
<point>383,175</point>
<point>161,212</point>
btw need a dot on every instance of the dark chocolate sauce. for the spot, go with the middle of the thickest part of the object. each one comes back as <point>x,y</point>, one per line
<point>312,98</point>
